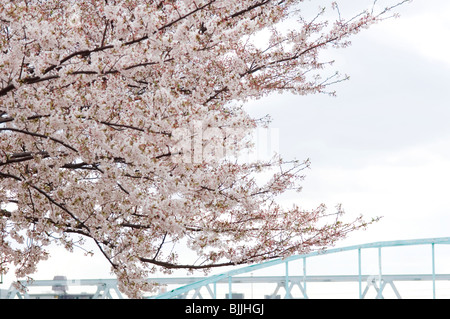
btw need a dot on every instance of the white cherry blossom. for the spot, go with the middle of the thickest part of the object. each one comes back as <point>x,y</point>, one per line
<point>93,97</point>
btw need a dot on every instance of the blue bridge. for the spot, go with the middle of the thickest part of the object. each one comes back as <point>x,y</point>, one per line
<point>417,268</point>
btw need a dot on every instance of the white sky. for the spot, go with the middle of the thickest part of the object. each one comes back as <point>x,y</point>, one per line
<point>381,147</point>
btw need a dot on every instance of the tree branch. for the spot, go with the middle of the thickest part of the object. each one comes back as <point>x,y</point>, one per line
<point>39,135</point>
<point>250,8</point>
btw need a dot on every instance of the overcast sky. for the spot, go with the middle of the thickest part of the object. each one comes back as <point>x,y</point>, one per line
<point>380,148</point>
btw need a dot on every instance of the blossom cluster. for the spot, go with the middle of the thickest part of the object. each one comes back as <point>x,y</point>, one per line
<point>93,97</point>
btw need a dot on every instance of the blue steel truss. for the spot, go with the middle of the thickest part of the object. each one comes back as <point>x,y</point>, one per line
<point>383,280</point>
<point>191,286</point>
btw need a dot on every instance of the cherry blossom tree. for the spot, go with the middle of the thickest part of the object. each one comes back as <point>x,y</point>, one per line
<point>121,124</point>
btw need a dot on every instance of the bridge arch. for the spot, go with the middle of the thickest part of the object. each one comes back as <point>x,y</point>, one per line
<point>286,283</point>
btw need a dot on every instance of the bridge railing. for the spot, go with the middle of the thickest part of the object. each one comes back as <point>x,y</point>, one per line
<point>287,282</point>
<point>287,285</point>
